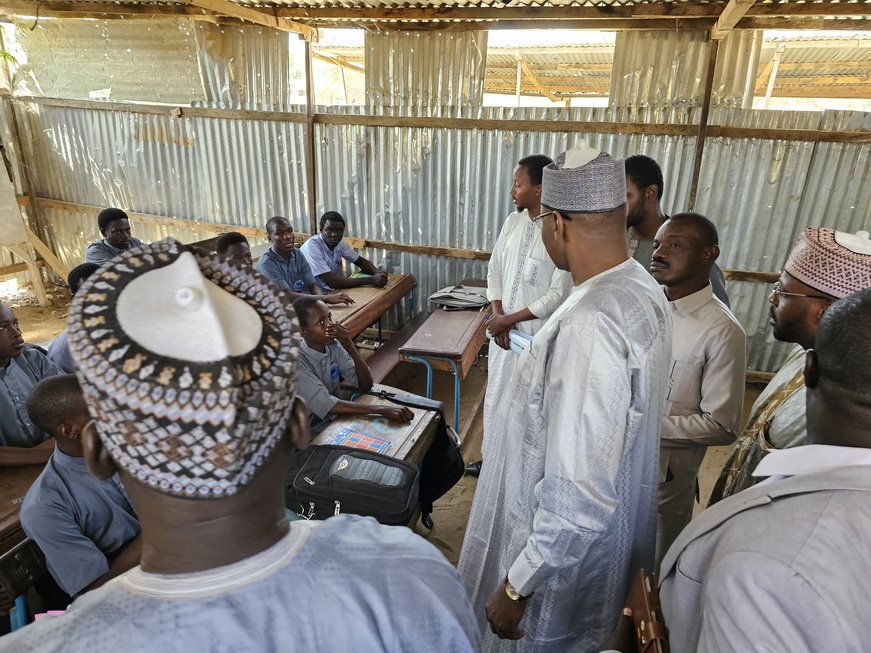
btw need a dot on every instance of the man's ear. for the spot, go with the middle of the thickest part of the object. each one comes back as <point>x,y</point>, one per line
<point>559,225</point>
<point>97,457</point>
<point>711,253</point>
<point>811,369</point>
<point>69,431</point>
<point>651,192</point>
<point>298,432</point>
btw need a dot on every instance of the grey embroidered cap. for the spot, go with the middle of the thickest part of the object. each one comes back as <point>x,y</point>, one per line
<point>188,365</point>
<point>583,180</point>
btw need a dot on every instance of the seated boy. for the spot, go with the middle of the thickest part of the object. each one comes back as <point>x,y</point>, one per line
<point>87,529</point>
<point>59,349</point>
<point>325,252</point>
<point>327,357</point>
<point>21,367</point>
<point>233,247</point>
<point>286,266</point>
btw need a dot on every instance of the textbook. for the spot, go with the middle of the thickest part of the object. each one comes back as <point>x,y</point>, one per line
<point>349,438</point>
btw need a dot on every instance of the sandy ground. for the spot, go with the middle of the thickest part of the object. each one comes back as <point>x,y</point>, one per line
<point>41,324</point>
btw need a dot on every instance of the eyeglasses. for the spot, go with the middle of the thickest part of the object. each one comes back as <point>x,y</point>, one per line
<point>777,289</point>
<point>544,215</point>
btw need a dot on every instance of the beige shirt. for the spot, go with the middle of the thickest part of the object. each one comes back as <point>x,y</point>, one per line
<point>706,378</point>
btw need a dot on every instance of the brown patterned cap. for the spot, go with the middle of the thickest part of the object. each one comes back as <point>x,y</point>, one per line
<point>833,262</point>
<point>188,365</point>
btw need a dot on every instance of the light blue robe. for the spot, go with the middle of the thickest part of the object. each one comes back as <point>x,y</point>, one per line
<point>341,585</point>
<point>567,498</point>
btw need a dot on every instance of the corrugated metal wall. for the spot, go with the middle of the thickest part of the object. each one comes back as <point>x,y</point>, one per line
<point>425,69</point>
<point>665,69</point>
<point>140,60</point>
<point>436,186</point>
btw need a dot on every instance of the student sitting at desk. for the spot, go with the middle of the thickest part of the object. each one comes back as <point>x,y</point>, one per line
<point>21,367</point>
<point>328,357</point>
<point>87,528</point>
<point>284,264</point>
<point>233,247</point>
<point>325,252</point>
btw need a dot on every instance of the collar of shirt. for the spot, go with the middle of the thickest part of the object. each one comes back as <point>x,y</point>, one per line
<point>811,458</point>
<point>312,353</point>
<point>691,303</point>
<point>70,462</point>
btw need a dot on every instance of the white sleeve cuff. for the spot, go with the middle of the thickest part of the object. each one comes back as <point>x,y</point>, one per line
<point>521,576</point>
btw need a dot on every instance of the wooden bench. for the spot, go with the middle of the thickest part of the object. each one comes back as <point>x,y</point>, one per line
<point>386,357</point>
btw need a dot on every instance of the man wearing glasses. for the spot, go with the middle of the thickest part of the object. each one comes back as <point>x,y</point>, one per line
<point>824,266</point>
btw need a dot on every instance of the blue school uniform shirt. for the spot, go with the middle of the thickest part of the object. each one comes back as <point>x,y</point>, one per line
<point>16,381</point>
<point>319,382</point>
<point>102,252</point>
<point>294,273</point>
<point>323,259</point>
<point>79,522</point>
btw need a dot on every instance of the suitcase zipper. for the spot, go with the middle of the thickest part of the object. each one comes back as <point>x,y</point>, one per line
<point>338,509</point>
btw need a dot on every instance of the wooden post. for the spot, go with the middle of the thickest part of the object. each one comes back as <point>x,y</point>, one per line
<point>310,140</point>
<point>703,124</point>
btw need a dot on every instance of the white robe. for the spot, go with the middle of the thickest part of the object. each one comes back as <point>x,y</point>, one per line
<point>520,275</point>
<point>566,501</point>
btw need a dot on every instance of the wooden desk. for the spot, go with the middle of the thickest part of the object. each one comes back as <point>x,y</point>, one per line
<point>14,483</point>
<point>450,341</point>
<point>371,303</point>
<point>21,568</point>
<point>409,441</point>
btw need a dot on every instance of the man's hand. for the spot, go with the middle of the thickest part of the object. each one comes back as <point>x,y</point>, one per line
<point>340,333</point>
<point>503,340</point>
<point>396,413</point>
<point>504,614</point>
<point>337,297</point>
<point>379,279</point>
<point>499,324</point>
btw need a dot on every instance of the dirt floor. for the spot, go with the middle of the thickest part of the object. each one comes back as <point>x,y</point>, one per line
<point>41,324</point>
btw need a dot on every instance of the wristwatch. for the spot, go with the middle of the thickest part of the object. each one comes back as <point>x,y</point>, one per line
<point>512,593</point>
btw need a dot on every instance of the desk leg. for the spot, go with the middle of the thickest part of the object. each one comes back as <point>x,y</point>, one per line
<point>18,614</point>
<point>418,359</point>
<point>426,361</point>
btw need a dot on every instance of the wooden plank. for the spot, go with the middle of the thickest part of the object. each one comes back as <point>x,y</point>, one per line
<point>17,268</point>
<point>536,82</point>
<point>257,16</point>
<point>755,276</point>
<point>802,135</point>
<point>33,271</point>
<point>165,110</point>
<point>858,92</point>
<point>703,122</point>
<point>804,23</point>
<point>56,264</point>
<point>730,16</point>
<point>477,407</point>
<point>338,61</point>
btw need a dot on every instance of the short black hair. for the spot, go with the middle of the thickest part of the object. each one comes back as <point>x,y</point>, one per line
<point>270,224</point>
<point>302,306</point>
<point>53,401</point>
<point>707,229</point>
<point>335,216</point>
<point>535,164</point>
<point>79,274</point>
<point>645,172</point>
<point>843,347</point>
<point>231,238</point>
<point>107,216</point>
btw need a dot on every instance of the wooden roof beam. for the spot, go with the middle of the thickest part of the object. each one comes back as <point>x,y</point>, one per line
<point>257,16</point>
<point>338,61</point>
<point>727,20</point>
<point>530,73</point>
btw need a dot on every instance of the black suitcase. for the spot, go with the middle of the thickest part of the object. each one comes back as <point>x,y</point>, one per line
<point>330,480</point>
